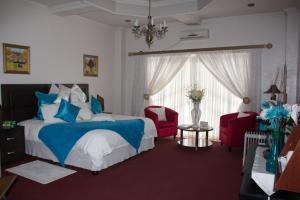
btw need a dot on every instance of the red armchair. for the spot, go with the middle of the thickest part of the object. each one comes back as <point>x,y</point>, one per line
<point>164,128</point>
<point>232,129</point>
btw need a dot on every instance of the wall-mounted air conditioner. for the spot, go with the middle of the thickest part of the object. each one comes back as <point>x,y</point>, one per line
<point>194,34</point>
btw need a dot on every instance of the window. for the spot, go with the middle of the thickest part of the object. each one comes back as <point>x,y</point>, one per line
<point>217,100</point>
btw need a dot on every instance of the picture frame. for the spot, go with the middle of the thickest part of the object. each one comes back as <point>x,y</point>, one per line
<point>16,59</point>
<point>90,65</point>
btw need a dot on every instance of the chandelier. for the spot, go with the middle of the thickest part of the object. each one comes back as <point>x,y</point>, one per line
<point>149,30</point>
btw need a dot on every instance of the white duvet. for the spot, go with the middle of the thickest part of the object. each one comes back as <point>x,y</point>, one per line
<point>96,143</point>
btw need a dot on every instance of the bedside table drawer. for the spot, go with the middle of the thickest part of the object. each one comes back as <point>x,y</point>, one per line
<point>11,155</point>
<point>12,144</point>
<point>13,139</point>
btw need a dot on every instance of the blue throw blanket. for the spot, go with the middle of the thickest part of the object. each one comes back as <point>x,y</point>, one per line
<point>61,137</point>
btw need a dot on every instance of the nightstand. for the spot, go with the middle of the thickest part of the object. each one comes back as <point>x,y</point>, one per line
<point>12,144</point>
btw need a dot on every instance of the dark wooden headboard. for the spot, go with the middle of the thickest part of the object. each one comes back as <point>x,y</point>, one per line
<point>19,102</point>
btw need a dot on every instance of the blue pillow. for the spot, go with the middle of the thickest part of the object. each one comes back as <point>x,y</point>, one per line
<point>67,111</point>
<point>43,98</point>
<point>96,106</point>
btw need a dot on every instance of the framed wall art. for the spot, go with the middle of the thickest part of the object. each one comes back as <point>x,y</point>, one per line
<point>90,65</point>
<point>16,59</point>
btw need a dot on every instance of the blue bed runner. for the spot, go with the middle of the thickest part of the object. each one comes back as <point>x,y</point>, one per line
<point>61,137</point>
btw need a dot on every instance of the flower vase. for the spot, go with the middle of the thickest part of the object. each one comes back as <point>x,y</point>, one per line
<point>273,155</point>
<point>196,114</point>
<point>268,145</point>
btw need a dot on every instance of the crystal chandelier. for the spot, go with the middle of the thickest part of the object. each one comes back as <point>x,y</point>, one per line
<point>149,30</point>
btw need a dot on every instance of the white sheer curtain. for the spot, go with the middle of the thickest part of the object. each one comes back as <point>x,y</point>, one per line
<point>139,85</point>
<point>217,101</point>
<point>226,76</point>
<point>160,71</point>
<point>239,71</point>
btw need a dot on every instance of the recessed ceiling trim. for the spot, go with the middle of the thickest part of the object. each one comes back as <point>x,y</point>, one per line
<point>110,11</point>
<point>123,9</point>
<point>175,9</point>
<point>114,12</point>
<point>62,8</point>
<point>154,4</point>
<point>65,9</point>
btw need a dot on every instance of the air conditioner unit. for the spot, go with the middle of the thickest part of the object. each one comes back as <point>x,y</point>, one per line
<point>194,34</point>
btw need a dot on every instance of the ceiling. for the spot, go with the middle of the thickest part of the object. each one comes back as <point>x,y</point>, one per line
<point>115,12</point>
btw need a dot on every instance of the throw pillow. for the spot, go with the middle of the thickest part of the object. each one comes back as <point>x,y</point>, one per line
<point>77,95</point>
<point>43,98</point>
<point>64,93</point>
<point>53,89</point>
<point>161,113</point>
<point>242,114</point>
<point>96,105</point>
<point>67,111</point>
<point>85,112</point>
<point>49,112</point>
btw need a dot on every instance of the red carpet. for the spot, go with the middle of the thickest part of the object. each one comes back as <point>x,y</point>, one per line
<point>166,172</point>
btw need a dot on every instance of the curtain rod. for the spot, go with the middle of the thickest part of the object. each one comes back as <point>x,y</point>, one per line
<point>256,46</point>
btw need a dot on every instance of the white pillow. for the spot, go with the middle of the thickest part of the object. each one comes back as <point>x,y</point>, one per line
<point>77,95</point>
<point>64,93</point>
<point>102,117</point>
<point>161,113</point>
<point>85,112</point>
<point>242,114</point>
<point>49,111</point>
<point>53,89</point>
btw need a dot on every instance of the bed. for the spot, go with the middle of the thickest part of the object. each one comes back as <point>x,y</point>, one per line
<point>96,150</point>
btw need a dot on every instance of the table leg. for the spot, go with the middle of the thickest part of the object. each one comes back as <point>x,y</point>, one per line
<point>206,138</point>
<point>197,140</point>
<point>181,136</point>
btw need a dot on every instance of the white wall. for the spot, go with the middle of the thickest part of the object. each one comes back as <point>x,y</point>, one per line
<point>292,49</point>
<point>57,46</point>
<point>227,31</point>
<point>298,81</point>
<point>118,71</point>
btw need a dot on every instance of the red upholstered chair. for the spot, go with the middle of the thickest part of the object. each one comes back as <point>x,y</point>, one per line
<point>164,128</point>
<point>232,129</point>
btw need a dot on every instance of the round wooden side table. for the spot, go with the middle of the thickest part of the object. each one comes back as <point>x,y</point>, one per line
<point>194,142</point>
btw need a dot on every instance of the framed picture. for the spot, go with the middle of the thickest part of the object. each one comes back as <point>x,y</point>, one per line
<point>16,59</point>
<point>90,65</point>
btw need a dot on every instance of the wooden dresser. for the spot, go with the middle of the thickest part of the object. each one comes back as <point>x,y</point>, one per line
<point>12,144</point>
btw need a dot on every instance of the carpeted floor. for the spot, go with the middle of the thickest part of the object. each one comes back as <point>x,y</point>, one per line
<point>166,172</point>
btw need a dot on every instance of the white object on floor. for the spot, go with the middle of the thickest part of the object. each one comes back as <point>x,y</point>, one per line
<point>265,180</point>
<point>41,172</point>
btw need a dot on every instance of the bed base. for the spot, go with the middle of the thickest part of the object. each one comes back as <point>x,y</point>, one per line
<point>77,159</point>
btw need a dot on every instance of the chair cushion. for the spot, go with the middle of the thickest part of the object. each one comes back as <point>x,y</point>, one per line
<point>242,114</point>
<point>164,124</point>
<point>161,113</point>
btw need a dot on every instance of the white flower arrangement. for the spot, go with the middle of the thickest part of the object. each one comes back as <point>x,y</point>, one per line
<point>195,94</point>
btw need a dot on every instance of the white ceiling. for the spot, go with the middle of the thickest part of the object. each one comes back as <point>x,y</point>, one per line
<point>115,12</point>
